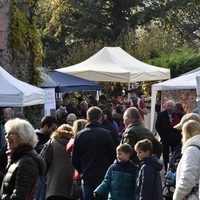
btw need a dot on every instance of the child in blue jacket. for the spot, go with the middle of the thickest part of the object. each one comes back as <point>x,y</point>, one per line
<point>148,184</point>
<point>120,179</point>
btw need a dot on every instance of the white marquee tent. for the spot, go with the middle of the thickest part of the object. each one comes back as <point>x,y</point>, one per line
<point>16,93</point>
<point>187,81</point>
<point>113,64</point>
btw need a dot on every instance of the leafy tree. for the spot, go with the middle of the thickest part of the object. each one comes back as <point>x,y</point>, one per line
<point>106,19</point>
<point>179,61</point>
<point>183,18</point>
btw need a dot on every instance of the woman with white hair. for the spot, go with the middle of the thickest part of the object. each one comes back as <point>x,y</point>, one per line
<point>24,164</point>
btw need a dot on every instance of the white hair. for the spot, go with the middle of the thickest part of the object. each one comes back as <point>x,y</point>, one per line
<point>72,115</point>
<point>25,131</point>
<point>170,101</point>
<point>61,111</point>
<point>83,103</point>
<point>11,111</point>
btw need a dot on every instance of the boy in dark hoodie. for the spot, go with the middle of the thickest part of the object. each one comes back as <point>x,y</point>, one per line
<point>148,184</point>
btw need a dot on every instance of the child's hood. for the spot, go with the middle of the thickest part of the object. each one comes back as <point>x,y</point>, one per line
<point>153,161</point>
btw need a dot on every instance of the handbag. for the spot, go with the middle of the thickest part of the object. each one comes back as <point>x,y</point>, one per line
<point>76,189</point>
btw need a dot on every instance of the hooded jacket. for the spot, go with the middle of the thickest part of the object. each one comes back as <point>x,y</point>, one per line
<point>60,173</point>
<point>120,181</point>
<point>149,185</point>
<point>188,173</point>
<point>21,173</point>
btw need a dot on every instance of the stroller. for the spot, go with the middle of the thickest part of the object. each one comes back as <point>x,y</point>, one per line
<point>170,181</point>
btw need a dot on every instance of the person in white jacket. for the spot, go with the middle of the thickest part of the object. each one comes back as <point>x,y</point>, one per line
<point>188,173</point>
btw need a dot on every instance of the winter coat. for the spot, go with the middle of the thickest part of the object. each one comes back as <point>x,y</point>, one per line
<point>120,181</point>
<point>188,173</point>
<point>2,133</point>
<point>149,185</point>
<point>107,125</point>
<point>93,152</point>
<point>118,117</point>
<point>115,125</point>
<point>169,136</point>
<point>60,173</point>
<point>21,173</point>
<point>177,118</point>
<point>135,132</point>
<point>69,148</point>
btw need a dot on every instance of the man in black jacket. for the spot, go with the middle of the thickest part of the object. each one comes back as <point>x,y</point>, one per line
<point>48,125</point>
<point>170,137</point>
<point>135,131</point>
<point>93,153</point>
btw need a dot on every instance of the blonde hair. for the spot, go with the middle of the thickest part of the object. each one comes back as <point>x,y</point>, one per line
<point>25,131</point>
<point>190,129</point>
<point>79,125</point>
<point>64,129</point>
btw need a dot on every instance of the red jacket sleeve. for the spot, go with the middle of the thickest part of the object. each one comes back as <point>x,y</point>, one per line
<point>128,104</point>
<point>70,145</point>
<point>175,121</point>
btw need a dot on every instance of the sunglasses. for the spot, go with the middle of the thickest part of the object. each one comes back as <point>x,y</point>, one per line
<point>10,133</point>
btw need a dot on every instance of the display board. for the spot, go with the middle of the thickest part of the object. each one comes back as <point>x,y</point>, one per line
<point>187,97</point>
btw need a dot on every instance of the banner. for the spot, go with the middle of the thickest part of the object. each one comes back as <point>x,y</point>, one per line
<point>50,103</point>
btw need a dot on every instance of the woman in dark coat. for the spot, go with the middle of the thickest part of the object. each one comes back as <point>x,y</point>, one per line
<point>60,173</point>
<point>24,164</point>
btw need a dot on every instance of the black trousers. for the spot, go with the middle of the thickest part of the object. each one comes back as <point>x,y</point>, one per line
<point>166,154</point>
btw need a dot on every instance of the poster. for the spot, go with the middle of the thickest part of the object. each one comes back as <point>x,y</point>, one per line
<point>187,97</point>
<point>50,103</point>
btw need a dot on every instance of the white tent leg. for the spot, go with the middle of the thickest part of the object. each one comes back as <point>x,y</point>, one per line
<point>98,93</point>
<point>22,109</point>
<point>153,103</point>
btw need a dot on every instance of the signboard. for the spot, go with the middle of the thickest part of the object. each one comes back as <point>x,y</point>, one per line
<point>50,102</point>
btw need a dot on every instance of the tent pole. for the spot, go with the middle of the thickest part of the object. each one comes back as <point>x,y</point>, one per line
<point>22,109</point>
<point>129,89</point>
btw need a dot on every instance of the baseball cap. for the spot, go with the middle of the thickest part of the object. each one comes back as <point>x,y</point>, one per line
<point>187,117</point>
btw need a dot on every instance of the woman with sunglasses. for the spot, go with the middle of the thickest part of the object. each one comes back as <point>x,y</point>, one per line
<point>24,164</point>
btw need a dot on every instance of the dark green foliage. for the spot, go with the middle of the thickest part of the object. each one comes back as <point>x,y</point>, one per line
<point>179,61</point>
<point>54,50</point>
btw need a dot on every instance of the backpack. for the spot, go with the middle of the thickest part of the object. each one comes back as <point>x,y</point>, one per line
<point>47,154</point>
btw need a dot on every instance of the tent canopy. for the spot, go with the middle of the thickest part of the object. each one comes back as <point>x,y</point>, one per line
<point>16,93</point>
<point>187,81</point>
<point>66,83</point>
<point>115,65</point>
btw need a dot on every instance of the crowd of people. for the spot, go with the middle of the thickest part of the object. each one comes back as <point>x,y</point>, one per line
<point>98,153</point>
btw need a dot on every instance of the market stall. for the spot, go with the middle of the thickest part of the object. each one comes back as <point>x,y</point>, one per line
<point>184,82</point>
<point>113,64</point>
<point>16,93</point>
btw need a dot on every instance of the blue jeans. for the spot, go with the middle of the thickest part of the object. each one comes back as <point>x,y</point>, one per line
<point>41,190</point>
<point>89,187</point>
